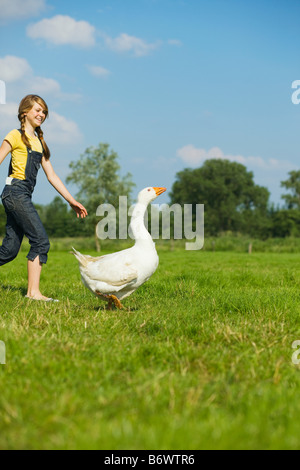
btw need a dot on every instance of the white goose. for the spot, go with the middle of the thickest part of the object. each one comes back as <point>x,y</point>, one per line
<point>115,276</point>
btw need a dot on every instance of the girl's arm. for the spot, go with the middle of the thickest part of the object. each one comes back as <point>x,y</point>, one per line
<point>60,187</point>
<point>4,150</point>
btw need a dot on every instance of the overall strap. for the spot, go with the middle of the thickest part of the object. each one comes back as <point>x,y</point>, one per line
<point>10,168</point>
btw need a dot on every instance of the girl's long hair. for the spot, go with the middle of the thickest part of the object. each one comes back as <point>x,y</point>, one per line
<point>25,106</point>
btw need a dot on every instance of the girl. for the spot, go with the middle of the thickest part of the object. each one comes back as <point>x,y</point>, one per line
<point>28,152</point>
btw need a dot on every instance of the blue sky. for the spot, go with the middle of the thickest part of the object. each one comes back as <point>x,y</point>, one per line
<point>167,83</point>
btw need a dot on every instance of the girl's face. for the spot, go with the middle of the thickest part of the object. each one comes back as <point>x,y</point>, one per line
<point>36,116</point>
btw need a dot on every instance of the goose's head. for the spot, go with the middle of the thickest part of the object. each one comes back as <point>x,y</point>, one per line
<point>148,195</point>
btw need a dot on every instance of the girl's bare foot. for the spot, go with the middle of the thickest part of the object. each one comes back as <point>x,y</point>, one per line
<point>40,297</point>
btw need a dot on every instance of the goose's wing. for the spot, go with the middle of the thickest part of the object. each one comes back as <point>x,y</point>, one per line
<point>115,269</point>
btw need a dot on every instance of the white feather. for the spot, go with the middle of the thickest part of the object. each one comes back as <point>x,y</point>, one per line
<point>121,273</point>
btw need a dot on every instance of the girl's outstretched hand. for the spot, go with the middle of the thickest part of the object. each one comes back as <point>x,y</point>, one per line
<point>79,209</point>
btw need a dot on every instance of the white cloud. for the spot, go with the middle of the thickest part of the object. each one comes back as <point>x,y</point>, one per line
<point>19,9</point>
<point>8,118</point>
<point>18,73</point>
<point>60,130</point>
<point>48,86</point>
<point>175,42</point>
<point>126,43</point>
<point>57,128</point>
<point>63,30</point>
<point>13,68</point>
<point>42,85</point>
<point>196,156</point>
<point>98,71</point>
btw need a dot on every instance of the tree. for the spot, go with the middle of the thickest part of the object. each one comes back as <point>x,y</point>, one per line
<point>293,184</point>
<point>59,220</point>
<point>231,199</point>
<point>97,176</point>
<point>286,223</point>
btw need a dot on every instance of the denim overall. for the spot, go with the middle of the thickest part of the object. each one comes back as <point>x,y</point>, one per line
<point>22,217</point>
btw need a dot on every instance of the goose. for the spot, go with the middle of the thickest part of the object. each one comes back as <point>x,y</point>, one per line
<point>115,276</point>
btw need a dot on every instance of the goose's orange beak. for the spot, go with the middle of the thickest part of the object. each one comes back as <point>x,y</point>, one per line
<point>159,190</point>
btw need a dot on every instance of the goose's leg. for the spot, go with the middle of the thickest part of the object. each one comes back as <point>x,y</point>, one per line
<point>105,297</point>
<point>117,302</point>
<point>111,299</point>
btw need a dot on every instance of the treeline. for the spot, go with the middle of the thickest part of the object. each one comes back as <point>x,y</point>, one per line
<point>232,201</point>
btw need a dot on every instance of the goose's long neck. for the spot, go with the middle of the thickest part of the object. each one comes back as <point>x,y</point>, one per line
<point>139,231</point>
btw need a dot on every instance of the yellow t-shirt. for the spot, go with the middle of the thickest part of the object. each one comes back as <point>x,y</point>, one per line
<point>19,152</point>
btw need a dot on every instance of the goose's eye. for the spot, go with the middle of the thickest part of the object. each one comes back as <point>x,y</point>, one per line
<point>149,189</point>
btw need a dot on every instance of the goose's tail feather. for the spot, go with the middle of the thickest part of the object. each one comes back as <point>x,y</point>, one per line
<point>81,258</point>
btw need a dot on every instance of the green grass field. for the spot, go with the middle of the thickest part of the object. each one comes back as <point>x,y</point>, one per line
<point>202,358</point>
